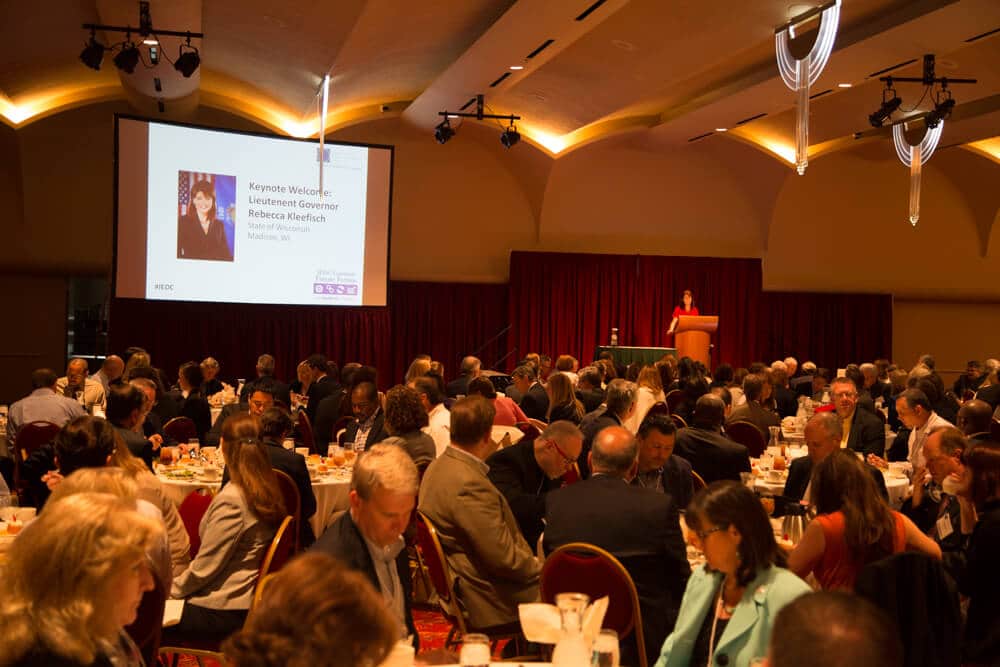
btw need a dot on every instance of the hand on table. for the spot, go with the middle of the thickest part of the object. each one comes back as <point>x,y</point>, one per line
<point>156,440</point>
<point>877,461</point>
<point>52,479</point>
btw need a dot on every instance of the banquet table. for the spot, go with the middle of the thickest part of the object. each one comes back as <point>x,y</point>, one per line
<point>331,493</point>
<point>798,437</point>
<point>897,485</point>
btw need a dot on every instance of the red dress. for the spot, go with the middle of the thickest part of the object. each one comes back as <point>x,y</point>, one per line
<point>679,310</point>
<point>837,570</point>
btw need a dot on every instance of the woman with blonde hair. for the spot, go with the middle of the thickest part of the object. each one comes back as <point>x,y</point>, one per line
<point>418,368</point>
<point>72,580</point>
<point>650,392</point>
<point>563,403</point>
<point>235,532</point>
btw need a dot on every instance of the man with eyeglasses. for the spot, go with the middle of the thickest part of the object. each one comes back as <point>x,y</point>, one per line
<point>640,527</point>
<point>259,400</point>
<point>861,430</point>
<point>526,472</point>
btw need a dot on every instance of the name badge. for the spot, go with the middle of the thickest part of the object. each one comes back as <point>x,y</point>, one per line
<point>944,528</point>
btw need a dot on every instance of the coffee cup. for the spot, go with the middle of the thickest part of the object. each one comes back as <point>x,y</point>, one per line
<point>773,476</point>
<point>211,472</point>
<point>303,451</point>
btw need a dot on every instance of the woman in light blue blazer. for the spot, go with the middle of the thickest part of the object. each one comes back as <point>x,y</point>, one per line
<point>731,602</point>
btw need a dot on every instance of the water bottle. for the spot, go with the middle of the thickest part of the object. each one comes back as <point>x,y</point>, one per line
<point>614,336</point>
<point>572,649</point>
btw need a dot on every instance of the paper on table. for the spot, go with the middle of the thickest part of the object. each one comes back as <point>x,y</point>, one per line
<point>542,624</point>
<point>172,612</point>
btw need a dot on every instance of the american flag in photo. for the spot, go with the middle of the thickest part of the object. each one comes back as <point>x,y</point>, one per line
<point>185,181</point>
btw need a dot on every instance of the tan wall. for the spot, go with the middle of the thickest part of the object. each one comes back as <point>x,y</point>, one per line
<point>33,334</point>
<point>954,332</point>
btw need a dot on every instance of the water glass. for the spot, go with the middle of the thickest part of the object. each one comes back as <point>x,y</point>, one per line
<point>475,651</point>
<point>194,448</point>
<point>605,649</point>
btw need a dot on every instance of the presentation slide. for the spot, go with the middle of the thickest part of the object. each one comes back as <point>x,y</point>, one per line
<point>212,215</point>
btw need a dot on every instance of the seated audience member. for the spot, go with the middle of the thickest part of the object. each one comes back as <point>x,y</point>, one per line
<point>508,413</point>
<point>563,403</point>
<point>711,454</point>
<point>731,602</point>
<point>193,404</point>
<point>989,390</point>
<point>933,506</point>
<point>568,366</point>
<point>265,374</point>
<point>237,528</point>
<point>495,567</point>
<point>752,411</point>
<point>368,427</point>
<point>974,420</point>
<point>404,418</point>
<point>863,398</point>
<point>876,388</point>
<point>638,526</point>
<point>275,425</point>
<point>111,372</point>
<point>369,537</point>
<point>314,612</point>
<point>73,580</point>
<point>619,407</point>
<point>211,384</point>
<point>544,367</point>
<point>299,387</point>
<point>418,368</point>
<point>692,384</point>
<point>933,387</point>
<point>77,384</point>
<point>659,468</point>
<point>525,473</point>
<point>723,376</point>
<point>970,380</point>
<point>727,399</point>
<point>855,525</point>
<point>914,410</point>
<point>736,387</point>
<point>321,384</point>
<point>438,417</point>
<point>44,403</point>
<point>126,411</point>
<point>588,389</point>
<point>824,435</point>
<point>820,385</point>
<point>469,370</point>
<point>802,384</point>
<point>784,398</point>
<point>861,430</point>
<point>261,399</point>
<point>834,629</point>
<point>980,501</point>
<point>165,404</point>
<point>650,392</point>
<point>334,407</point>
<point>152,425</point>
<point>88,442</point>
<point>534,400</point>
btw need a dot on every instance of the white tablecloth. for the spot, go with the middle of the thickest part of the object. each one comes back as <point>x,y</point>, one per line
<point>799,437</point>
<point>898,487</point>
<point>331,495</point>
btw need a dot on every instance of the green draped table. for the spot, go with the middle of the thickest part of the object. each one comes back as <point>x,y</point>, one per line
<point>628,355</point>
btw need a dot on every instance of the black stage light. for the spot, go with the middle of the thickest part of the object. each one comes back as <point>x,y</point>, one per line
<point>941,111</point>
<point>93,54</point>
<point>443,132</point>
<point>127,58</point>
<point>510,136</point>
<point>884,112</point>
<point>187,61</point>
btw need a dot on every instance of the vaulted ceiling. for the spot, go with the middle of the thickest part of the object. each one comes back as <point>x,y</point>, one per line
<point>667,73</point>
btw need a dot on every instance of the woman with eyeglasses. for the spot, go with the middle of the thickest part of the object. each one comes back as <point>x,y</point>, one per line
<point>731,601</point>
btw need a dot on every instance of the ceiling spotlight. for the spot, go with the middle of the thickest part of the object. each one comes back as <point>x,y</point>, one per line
<point>942,110</point>
<point>517,67</point>
<point>443,132</point>
<point>844,85</point>
<point>721,129</point>
<point>93,54</point>
<point>510,136</point>
<point>878,118</point>
<point>127,58</point>
<point>187,61</point>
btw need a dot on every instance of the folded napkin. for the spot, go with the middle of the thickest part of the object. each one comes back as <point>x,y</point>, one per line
<point>542,624</point>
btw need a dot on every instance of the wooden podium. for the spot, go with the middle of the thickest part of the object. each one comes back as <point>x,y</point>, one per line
<point>691,337</point>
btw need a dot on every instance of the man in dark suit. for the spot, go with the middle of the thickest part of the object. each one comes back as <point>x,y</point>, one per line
<point>334,407</point>
<point>126,410</point>
<point>620,405</point>
<point>534,400</point>
<point>275,425</point>
<point>861,430</point>
<point>784,398</point>
<point>974,419</point>
<point>752,411</point>
<point>588,389</point>
<point>802,384</point>
<point>260,400</point>
<point>876,388</point>
<point>368,427</point>
<point>525,473</point>
<point>659,468</point>
<point>865,400</point>
<point>824,433</point>
<point>970,380</point>
<point>712,455</point>
<point>265,373</point>
<point>369,537</point>
<point>469,370</point>
<point>322,385</point>
<point>638,526</point>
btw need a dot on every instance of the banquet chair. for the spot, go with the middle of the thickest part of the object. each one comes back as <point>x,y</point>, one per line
<point>432,557</point>
<point>305,431</point>
<point>658,408</point>
<point>579,567</point>
<point>192,509</point>
<point>293,505</point>
<point>697,482</point>
<point>280,550</point>
<point>529,430</point>
<point>30,437</point>
<point>678,421</point>
<point>147,628</point>
<point>181,429</point>
<point>748,435</point>
<point>674,399</point>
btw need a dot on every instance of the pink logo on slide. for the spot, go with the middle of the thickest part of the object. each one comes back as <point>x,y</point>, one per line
<point>336,289</point>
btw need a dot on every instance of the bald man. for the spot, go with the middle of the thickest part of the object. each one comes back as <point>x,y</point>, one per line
<point>974,418</point>
<point>638,525</point>
<point>76,385</point>
<point>111,372</point>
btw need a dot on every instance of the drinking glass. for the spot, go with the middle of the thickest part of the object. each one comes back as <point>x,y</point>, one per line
<point>475,651</point>
<point>194,448</point>
<point>606,649</point>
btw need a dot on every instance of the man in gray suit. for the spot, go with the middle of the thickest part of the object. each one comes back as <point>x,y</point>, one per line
<point>495,568</point>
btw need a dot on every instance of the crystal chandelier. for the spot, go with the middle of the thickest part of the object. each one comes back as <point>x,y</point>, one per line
<point>915,157</point>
